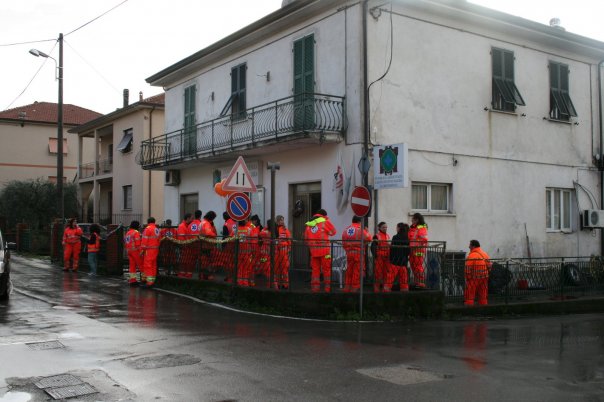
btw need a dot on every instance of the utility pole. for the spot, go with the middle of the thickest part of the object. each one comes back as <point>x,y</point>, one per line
<point>60,197</point>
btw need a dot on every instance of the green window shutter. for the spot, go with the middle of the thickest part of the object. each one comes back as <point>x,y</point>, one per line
<point>309,64</point>
<point>497,60</point>
<point>298,66</point>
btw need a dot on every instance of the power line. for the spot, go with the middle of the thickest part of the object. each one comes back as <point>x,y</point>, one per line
<point>92,67</point>
<point>96,18</point>
<point>26,43</point>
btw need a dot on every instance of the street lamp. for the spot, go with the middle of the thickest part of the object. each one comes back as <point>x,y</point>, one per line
<point>38,53</point>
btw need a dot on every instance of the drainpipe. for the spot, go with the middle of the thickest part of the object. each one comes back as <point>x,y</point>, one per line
<point>366,116</point>
<point>600,160</point>
<point>149,177</point>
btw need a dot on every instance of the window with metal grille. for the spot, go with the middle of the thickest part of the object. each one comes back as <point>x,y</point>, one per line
<point>558,209</point>
<point>431,197</point>
<point>561,106</point>
<point>127,194</point>
<point>506,95</point>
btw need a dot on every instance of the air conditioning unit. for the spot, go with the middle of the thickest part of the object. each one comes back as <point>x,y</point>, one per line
<point>172,178</point>
<point>593,218</point>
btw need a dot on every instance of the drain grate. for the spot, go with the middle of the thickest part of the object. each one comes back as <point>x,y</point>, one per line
<point>61,380</point>
<point>71,391</point>
<point>45,345</point>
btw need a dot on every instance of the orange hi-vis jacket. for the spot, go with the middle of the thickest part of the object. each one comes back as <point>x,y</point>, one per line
<point>246,234</point>
<point>383,244</point>
<point>96,246</point>
<point>317,234</point>
<point>284,239</point>
<point>418,236</point>
<point>194,228</point>
<point>133,240</point>
<point>478,264</point>
<point>71,235</point>
<point>150,237</point>
<point>351,238</point>
<point>182,233</point>
<point>208,229</point>
<point>167,232</point>
<point>231,226</point>
<point>265,241</point>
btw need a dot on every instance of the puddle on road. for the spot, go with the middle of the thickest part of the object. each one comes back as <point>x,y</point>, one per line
<point>171,360</point>
<point>402,374</point>
<point>15,397</point>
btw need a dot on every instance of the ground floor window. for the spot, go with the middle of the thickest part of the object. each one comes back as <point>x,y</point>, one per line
<point>188,203</point>
<point>431,197</point>
<point>558,209</point>
<point>127,194</point>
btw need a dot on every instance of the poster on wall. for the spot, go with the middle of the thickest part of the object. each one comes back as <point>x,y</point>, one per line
<point>390,166</point>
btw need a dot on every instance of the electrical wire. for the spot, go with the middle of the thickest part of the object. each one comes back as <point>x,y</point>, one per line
<point>94,19</point>
<point>91,66</point>
<point>26,43</point>
<point>389,62</point>
<point>32,78</point>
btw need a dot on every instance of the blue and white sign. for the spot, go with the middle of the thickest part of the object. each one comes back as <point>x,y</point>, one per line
<point>239,206</point>
<point>390,166</point>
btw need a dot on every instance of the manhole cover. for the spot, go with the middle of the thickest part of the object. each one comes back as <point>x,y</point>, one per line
<point>402,374</point>
<point>45,345</point>
<point>61,380</point>
<point>71,391</point>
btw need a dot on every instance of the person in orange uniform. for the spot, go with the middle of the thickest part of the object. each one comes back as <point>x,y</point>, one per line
<point>229,230</point>
<point>185,253</point>
<point>382,267</point>
<point>94,246</point>
<point>284,244</point>
<point>245,271</point>
<point>477,269</point>
<point>195,225</point>
<point>351,241</point>
<point>167,230</point>
<point>317,234</point>
<point>207,248</point>
<point>132,241</point>
<point>72,245</point>
<point>418,240</point>
<point>399,257</point>
<point>150,250</point>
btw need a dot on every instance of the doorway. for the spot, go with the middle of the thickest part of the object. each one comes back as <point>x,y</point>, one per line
<point>305,201</point>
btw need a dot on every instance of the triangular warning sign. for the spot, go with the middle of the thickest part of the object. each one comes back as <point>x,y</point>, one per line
<point>240,178</point>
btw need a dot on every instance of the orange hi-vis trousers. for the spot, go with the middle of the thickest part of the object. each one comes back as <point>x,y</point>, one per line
<point>72,252</point>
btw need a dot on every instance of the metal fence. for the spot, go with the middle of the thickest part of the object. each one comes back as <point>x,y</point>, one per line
<point>272,264</point>
<point>523,279</point>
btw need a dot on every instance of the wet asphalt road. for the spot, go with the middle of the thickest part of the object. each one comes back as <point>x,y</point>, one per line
<point>143,345</point>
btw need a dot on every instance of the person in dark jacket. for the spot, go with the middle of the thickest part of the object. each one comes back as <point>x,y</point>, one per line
<point>399,256</point>
<point>94,246</point>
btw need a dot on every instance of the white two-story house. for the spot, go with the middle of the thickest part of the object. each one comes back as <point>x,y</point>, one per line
<point>497,119</point>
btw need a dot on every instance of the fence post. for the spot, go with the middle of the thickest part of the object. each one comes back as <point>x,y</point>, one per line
<point>562,279</point>
<point>507,288</point>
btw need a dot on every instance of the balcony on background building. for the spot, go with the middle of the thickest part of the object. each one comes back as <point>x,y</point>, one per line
<point>288,123</point>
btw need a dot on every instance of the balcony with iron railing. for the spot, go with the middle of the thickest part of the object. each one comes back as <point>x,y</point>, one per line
<point>103,167</point>
<point>305,118</point>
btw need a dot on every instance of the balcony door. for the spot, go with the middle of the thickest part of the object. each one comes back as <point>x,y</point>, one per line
<point>189,139</point>
<point>304,83</point>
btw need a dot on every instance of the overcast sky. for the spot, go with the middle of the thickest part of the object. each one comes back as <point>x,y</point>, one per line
<point>141,37</point>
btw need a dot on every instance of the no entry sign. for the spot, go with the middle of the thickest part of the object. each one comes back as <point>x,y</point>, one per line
<point>360,201</point>
<point>239,206</point>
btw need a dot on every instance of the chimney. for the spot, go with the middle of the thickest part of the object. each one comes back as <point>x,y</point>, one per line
<point>140,96</point>
<point>126,96</point>
<point>555,23</point>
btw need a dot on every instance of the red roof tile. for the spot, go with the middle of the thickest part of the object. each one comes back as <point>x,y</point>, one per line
<point>46,112</point>
<point>159,99</point>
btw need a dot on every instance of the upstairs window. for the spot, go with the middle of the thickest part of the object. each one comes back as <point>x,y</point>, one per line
<point>561,106</point>
<point>558,209</point>
<point>506,95</point>
<point>189,139</point>
<point>431,197</point>
<point>53,146</point>
<point>125,144</point>
<point>236,103</point>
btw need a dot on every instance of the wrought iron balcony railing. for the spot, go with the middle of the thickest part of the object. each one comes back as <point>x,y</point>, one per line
<point>280,120</point>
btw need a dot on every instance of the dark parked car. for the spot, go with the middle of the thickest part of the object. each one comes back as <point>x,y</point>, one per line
<point>5,267</point>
